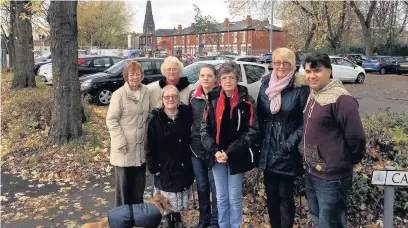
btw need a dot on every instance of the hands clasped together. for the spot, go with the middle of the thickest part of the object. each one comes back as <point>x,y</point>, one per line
<point>221,157</point>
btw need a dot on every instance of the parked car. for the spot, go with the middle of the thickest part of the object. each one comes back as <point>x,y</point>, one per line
<point>251,73</point>
<point>403,65</point>
<point>86,65</point>
<point>380,64</point>
<point>41,60</point>
<point>345,70</point>
<point>253,59</point>
<point>204,58</point>
<point>100,86</point>
<point>357,58</point>
<point>45,73</point>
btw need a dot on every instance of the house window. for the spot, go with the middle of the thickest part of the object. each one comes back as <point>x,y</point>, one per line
<point>222,38</point>
<point>182,40</point>
<point>203,41</point>
<point>244,34</point>
<point>159,39</point>
<point>235,37</point>
<point>188,39</point>
<point>174,40</point>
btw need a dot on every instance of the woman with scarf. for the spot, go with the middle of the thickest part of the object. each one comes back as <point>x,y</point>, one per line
<point>229,133</point>
<point>281,101</point>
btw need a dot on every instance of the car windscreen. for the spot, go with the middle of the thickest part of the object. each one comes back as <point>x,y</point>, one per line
<point>191,72</point>
<point>118,67</point>
<point>224,58</point>
<point>373,59</point>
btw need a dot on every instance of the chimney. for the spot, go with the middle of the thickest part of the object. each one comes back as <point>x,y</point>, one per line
<point>248,20</point>
<point>226,23</point>
<point>179,28</point>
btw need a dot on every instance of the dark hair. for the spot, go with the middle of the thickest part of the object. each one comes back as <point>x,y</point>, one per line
<point>317,60</point>
<point>209,66</point>
<point>229,67</point>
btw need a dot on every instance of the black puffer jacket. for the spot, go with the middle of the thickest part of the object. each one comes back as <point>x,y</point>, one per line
<point>281,133</point>
<point>167,149</point>
<point>243,151</point>
<point>198,101</point>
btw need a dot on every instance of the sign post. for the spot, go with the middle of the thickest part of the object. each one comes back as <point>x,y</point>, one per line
<point>389,178</point>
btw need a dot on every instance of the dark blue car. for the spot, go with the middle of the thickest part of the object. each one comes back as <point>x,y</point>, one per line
<point>380,64</point>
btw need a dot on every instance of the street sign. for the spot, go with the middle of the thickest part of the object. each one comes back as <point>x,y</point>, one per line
<point>389,178</point>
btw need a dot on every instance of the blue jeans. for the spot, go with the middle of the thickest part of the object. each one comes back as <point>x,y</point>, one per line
<point>205,184</point>
<point>328,200</point>
<point>229,196</point>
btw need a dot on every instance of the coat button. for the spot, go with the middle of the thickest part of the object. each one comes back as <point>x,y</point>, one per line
<point>179,140</point>
<point>280,143</point>
<point>182,164</point>
<point>278,123</point>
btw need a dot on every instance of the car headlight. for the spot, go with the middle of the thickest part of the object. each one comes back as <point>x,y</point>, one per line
<point>86,85</point>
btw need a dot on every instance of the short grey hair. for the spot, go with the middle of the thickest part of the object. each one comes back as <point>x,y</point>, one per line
<point>172,59</point>
<point>167,87</point>
<point>229,67</point>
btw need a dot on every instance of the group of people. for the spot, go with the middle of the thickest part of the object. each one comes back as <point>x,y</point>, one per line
<point>217,131</point>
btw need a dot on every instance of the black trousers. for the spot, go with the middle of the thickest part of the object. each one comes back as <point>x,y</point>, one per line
<point>130,185</point>
<point>280,199</point>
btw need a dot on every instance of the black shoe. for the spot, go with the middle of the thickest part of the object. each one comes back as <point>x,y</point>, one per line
<point>176,220</point>
<point>167,222</point>
<point>200,225</point>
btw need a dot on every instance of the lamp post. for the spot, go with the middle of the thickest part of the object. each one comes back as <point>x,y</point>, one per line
<point>271,33</point>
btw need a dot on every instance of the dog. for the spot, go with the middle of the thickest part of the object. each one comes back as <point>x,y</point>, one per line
<point>138,215</point>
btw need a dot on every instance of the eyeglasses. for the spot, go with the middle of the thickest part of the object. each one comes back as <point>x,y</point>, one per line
<point>228,78</point>
<point>135,75</point>
<point>171,97</point>
<point>279,63</point>
<point>171,69</point>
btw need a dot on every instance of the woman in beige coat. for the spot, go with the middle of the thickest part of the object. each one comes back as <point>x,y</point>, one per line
<point>172,69</point>
<point>127,114</point>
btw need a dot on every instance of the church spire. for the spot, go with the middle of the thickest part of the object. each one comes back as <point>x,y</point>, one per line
<point>148,25</point>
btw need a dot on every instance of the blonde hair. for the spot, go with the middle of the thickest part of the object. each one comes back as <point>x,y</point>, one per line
<point>287,55</point>
<point>169,60</point>
<point>167,87</point>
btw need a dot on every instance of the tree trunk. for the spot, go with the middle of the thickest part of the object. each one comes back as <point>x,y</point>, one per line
<point>366,26</point>
<point>67,108</point>
<point>4,51</point>
<point>23,46</point>
<point>310,37</point>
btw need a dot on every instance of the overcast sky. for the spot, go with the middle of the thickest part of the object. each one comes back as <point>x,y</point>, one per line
<point>168,14</point>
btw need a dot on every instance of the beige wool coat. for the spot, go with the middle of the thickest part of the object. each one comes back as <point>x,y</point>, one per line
<point>126,119</point>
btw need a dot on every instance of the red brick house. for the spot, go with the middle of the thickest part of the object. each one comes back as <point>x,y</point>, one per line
<point>246,37</point>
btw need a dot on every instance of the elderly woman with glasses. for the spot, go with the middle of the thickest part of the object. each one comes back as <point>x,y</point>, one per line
<point>172,70</point>
<point>229,133</point>
<point>281,101</point>
<point>126,117</point>
<point>168,153</point>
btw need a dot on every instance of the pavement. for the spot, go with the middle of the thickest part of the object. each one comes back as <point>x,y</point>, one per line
<point>28,203</point>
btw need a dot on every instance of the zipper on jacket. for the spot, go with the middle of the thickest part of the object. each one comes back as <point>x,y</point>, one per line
<point>239,119</point>
<point>309,114</point>
<point>252,155</point>
<point>193,152</point>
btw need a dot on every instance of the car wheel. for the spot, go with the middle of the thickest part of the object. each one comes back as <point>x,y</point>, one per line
<point>103,96</point>
<point>360,78</point>
<point>382,70</point>
<point>397,71</point>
